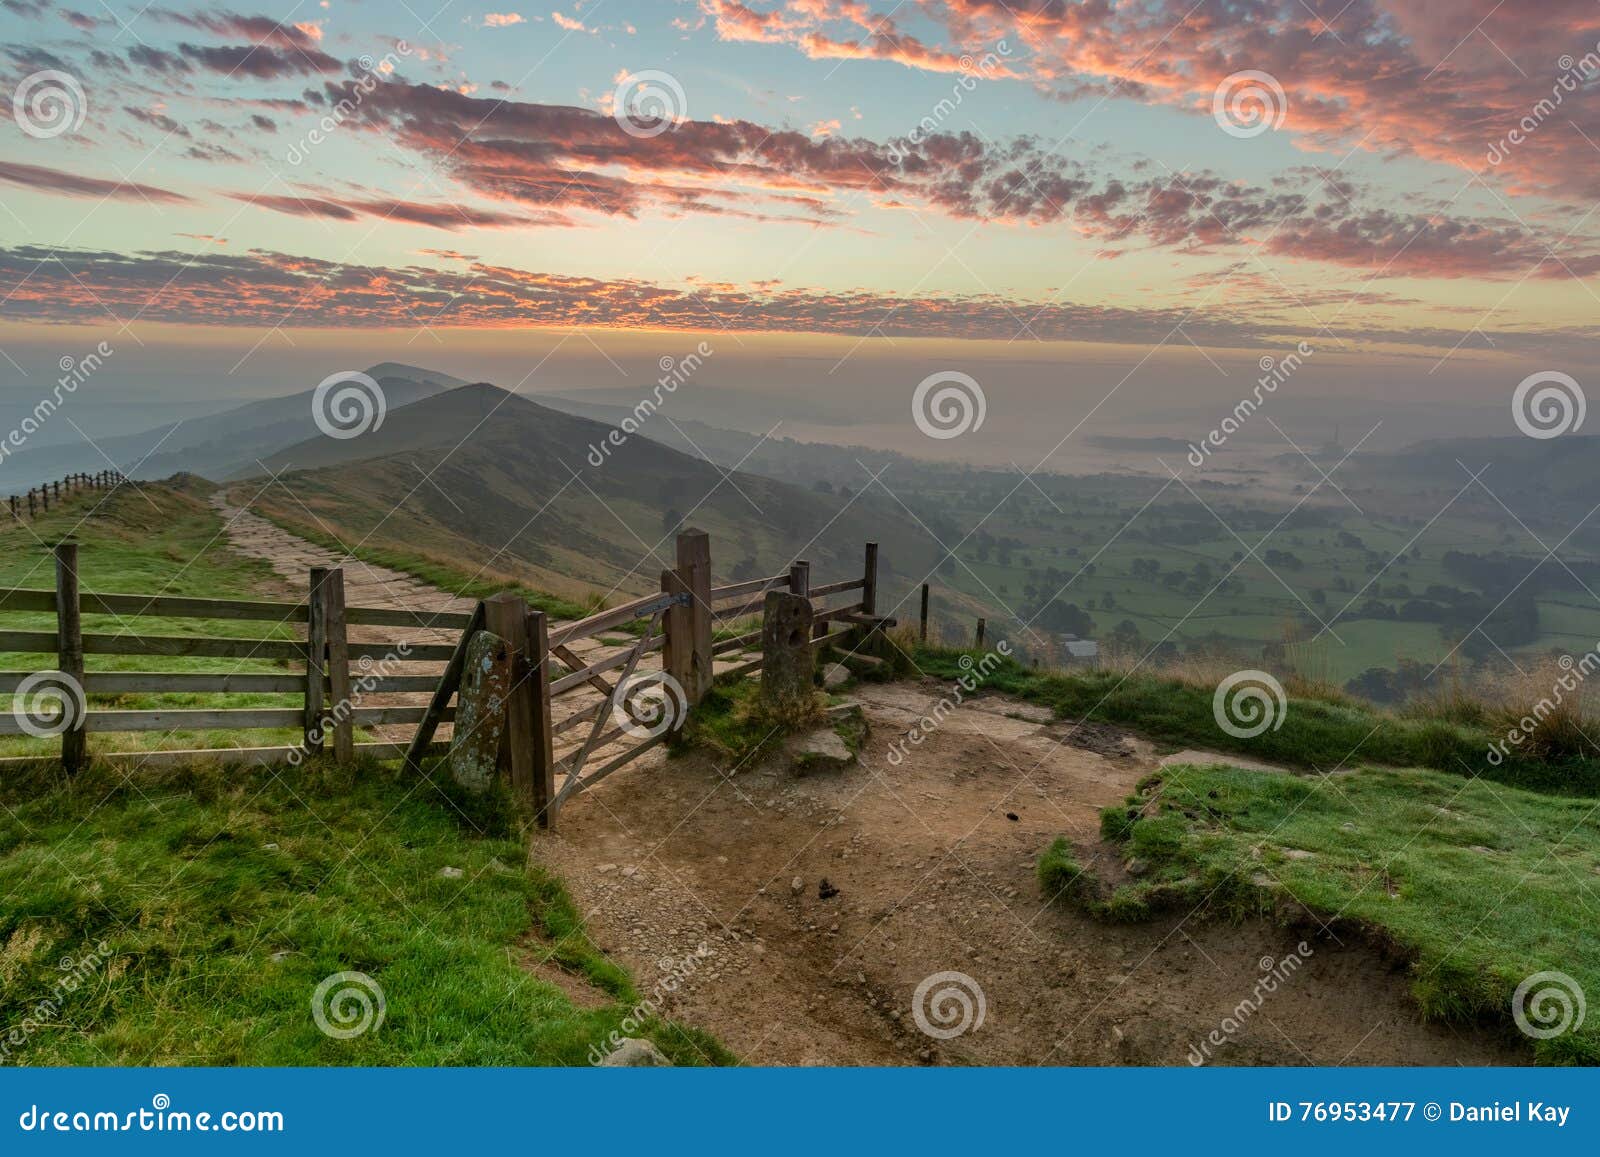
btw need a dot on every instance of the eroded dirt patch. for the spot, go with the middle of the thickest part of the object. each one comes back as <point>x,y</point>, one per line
<point>930,868</point>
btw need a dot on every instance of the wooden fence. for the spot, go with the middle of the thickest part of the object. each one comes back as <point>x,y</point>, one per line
<point>37,500</point>
<point>570,679</point>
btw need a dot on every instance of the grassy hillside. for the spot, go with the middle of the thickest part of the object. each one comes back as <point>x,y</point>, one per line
<point>477,481</point>
<point>1479,886</point>
<point>159,538</point>
<point>198,912</point>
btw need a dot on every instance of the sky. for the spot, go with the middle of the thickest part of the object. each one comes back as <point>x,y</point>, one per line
<point>1102,212</point>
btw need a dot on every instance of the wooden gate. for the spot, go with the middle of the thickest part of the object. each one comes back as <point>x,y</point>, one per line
<point>589,697</point>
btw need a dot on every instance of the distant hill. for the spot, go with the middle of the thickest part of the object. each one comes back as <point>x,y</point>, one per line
<point>476,476</point>
<point>219,446</point>
<point>1551,481</point>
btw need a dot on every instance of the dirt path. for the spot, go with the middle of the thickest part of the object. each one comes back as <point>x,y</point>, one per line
<point>933,862</point>
<point>682,868</point>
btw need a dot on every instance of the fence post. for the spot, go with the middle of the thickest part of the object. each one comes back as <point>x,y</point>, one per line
<point>978,639</point>
<point>800,578</point>
<point>869,588</point>
<point>69,655</point>
<point>922,621</point>
<point>677,646</point>
<point>694,568</point>
<point>506,615</point>
<point>344,744</point>
<point>542,742</point>
<point>31,513</point>
<point>44,495</point>
<point>13,506</point>
<point>316,651</point>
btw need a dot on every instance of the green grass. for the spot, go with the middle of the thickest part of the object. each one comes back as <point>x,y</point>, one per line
<point>157,539</point>
<point>1315,733</point>
<point>1478,884</point>
<point>224,899</point>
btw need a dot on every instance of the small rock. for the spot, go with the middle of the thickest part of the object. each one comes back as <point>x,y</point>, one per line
<point>1012,816</point>
<point>631,870</point>
<point>451,873</point>
<point>280,957</point>
<point>635,1053</point>
<point>269,847</point>
<point>1297,854</point>
<point>1136,867</point>
<point>606,868</point>
<point>797,885</point>
<point>837,675</point>
<point>825,890</point>
<point>1349,827</point>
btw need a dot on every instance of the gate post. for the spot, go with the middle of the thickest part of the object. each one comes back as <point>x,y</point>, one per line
<point>688,628</point>
<point>344,746</point>
<point>316,652</point>
<point>869,581</point>
<point>69,657</point>
<point>526,745</point>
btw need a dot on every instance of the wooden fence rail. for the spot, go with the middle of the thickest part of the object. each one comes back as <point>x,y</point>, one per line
<point>38,498</point>
<point>570,703</point>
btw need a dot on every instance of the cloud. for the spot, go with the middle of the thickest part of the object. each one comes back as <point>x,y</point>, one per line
<point>262,288</point>
<point>578,161</point>
<point>259,29</point>
<point>502,19</point>
<point>260,61</point>
<point>1445,80</point>
<point>37,177</point>
<point>439,216</point>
